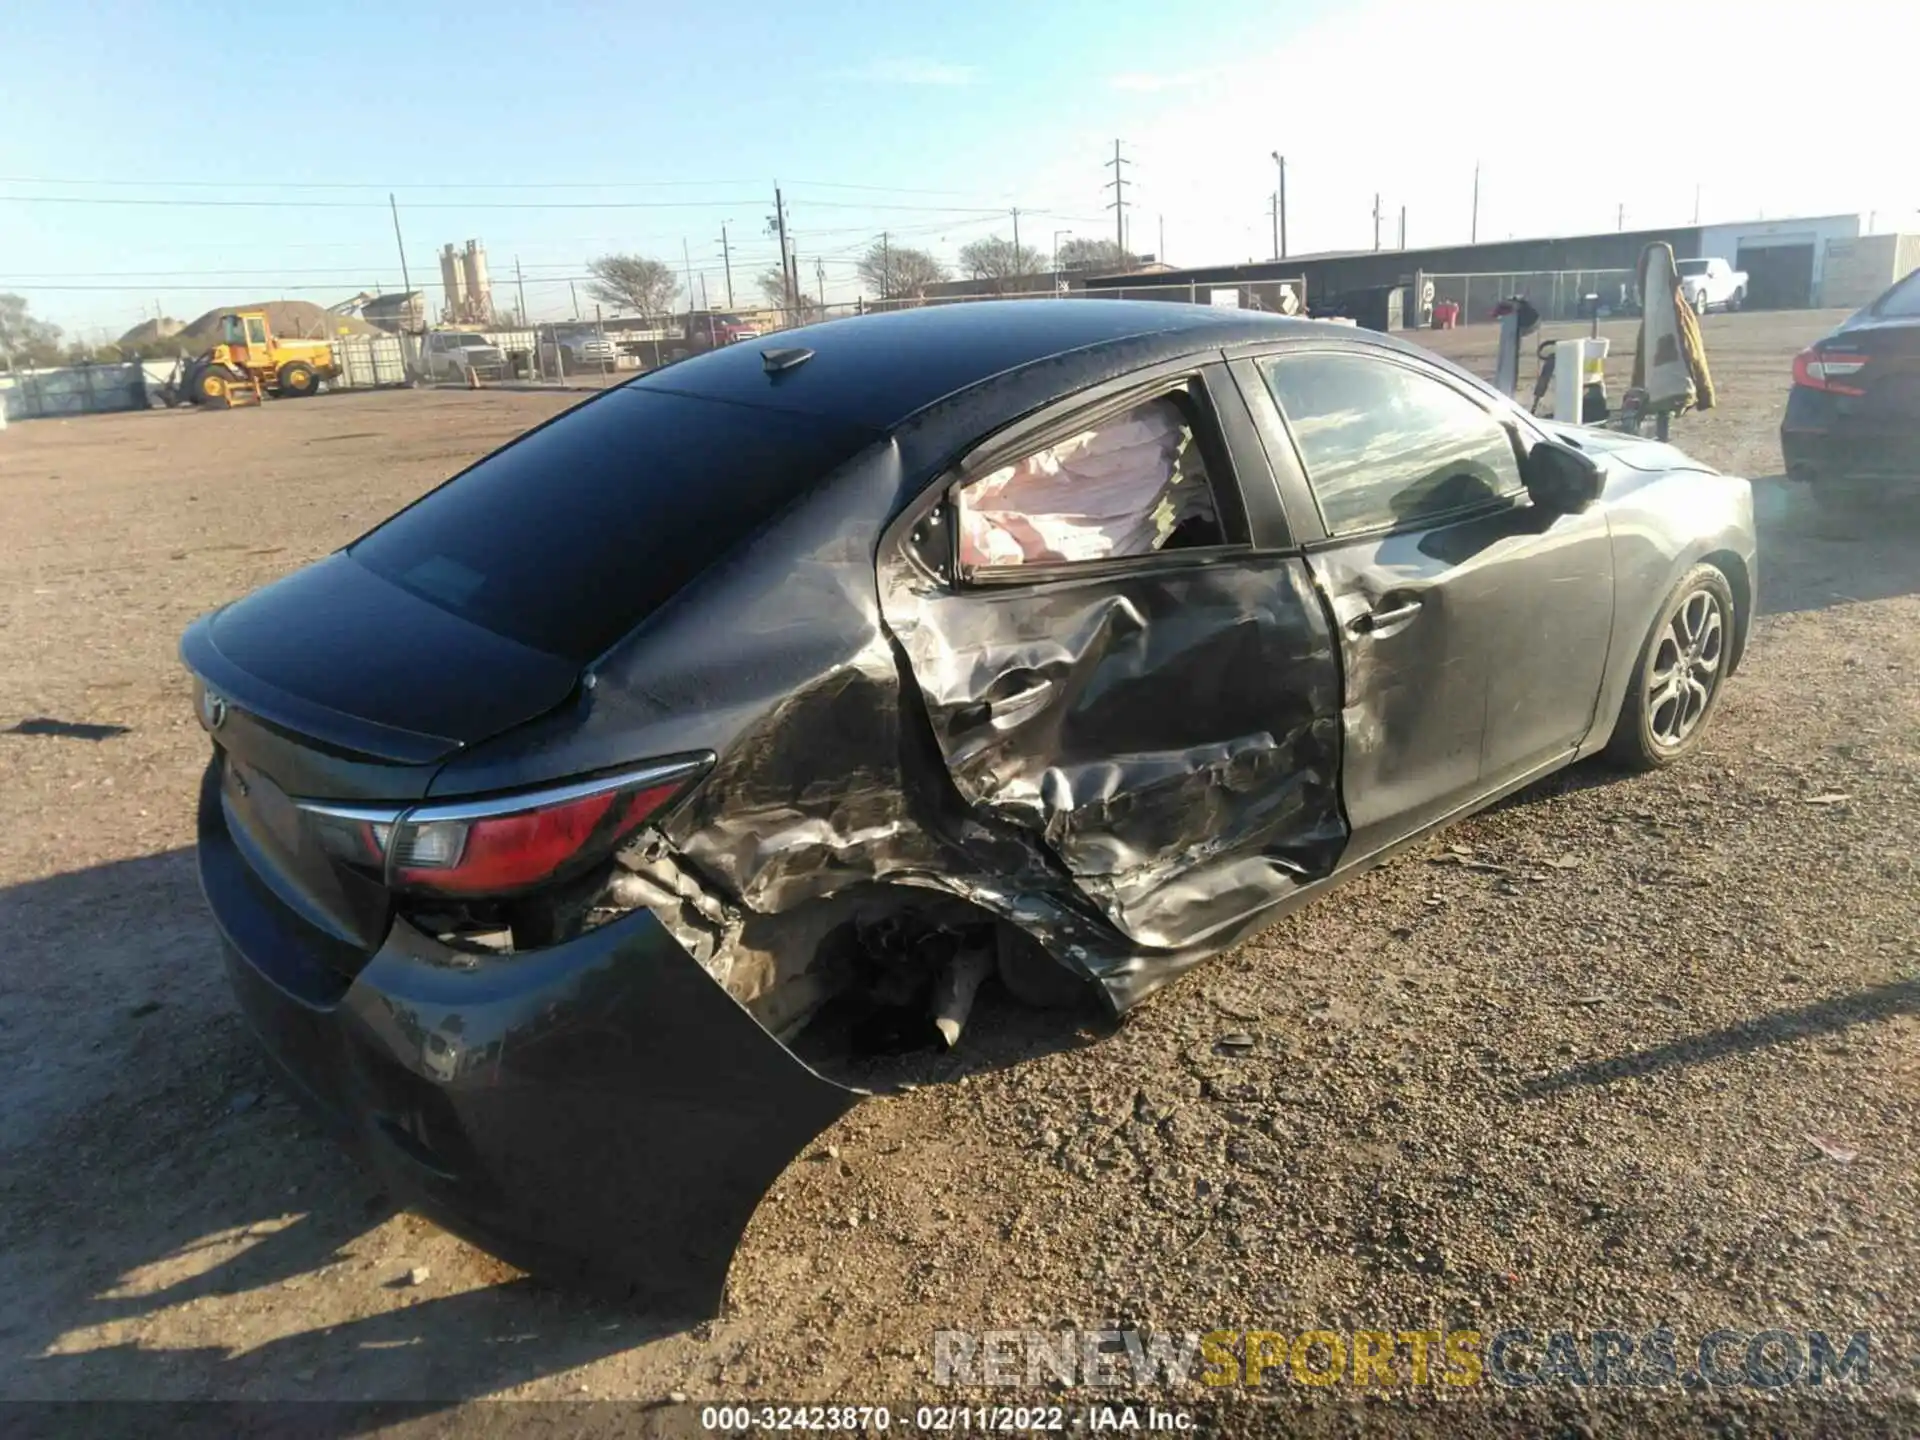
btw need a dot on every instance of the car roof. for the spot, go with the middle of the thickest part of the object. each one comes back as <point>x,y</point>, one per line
<point>878,370</point>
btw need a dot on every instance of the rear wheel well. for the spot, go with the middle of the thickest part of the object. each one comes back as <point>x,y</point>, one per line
<point>1741,583</point>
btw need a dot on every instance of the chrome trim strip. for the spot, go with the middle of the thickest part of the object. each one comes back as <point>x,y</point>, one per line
<point>372,814</point>
<point>495,806</point>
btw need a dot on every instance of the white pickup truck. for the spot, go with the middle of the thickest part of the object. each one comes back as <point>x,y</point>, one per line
<point>1711,284</point>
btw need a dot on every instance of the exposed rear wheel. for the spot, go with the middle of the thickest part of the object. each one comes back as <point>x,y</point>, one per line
<point>1679,674</point>
<point>297,379</point>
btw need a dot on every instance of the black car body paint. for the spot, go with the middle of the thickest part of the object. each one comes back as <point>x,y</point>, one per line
<point>1133,768</point>
<point>1852,425</point>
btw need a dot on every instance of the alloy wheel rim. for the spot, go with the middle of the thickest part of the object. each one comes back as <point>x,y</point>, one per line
<point>1684,670</point>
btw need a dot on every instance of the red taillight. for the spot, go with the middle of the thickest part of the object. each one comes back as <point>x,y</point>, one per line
<point>502,847</point>
<point>498,856</point>
<point>1818,369</point>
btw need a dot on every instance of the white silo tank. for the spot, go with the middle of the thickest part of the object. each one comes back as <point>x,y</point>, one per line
<point>479,288</point>
<point>453,281</point>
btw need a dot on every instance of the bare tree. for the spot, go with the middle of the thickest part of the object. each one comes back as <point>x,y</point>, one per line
<point>795,308</point>
<point>633,282</point>
<point>899,272</point>
<point>1080,253</point>
<point>23,339</point>
<point>998,260</point>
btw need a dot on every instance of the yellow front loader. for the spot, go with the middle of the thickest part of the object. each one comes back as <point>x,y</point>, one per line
<point>250,361</point>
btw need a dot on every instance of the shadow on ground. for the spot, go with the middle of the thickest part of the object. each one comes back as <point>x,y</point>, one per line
<point>1781,1027</point>
<point>1813,560</point>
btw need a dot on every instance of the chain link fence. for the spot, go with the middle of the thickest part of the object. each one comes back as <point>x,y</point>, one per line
<point>1275,297</point>
<point>1556,294</point>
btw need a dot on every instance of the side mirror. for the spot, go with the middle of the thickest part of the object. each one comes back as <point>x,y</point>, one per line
<point>1561,479</point>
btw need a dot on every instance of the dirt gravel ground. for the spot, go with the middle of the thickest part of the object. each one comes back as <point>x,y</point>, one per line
<point>1619,1053</point>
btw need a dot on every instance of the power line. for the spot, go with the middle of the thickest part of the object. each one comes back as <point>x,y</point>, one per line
<point>101,182</point>
<point>179,203</point>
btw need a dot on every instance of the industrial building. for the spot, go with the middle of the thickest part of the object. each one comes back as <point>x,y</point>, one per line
<point>1793,263</point>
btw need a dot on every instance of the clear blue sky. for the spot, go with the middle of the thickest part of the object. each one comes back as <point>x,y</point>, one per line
<point>668,121</point>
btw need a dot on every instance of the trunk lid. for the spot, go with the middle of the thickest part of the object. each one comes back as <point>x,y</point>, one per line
<point>343,657</point>
<point>334,684</point>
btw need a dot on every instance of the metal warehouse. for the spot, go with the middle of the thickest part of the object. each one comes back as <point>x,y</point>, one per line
<point>1791,263</point>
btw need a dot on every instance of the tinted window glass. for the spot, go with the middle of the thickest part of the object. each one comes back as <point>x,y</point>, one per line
<point>1385,445</point>
<point>566,539</point>
<point>1903,301</point>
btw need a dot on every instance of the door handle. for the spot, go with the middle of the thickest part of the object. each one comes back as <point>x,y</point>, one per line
<point>1369,621</point>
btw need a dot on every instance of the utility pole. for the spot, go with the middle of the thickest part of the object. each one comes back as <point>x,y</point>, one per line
<point>1161,254</point>
<point>1620,223</point>
<point>520,283</point>
<point>405,283</point>
<point>574,295</point>
<point>1376,220</point>
<point>1473,235</point>
<point>1403,227</point>
<point>886,265</point>
<point>686,260</point>
<point>820,278</point>
<point>726,259</point>
<point>1696,202</point>
<point>1280,209</point>
<point>1119,202</point>
<point>780,227</point>
<point>1017,268</point>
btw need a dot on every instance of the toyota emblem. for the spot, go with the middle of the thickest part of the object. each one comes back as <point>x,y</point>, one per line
<point>213,709</point>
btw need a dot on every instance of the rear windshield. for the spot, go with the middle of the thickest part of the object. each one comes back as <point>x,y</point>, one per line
<point>1692,267</point>
<point>571,536</point>
<point>1902,302</point>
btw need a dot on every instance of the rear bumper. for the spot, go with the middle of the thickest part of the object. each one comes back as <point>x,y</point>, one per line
<point>600,1112</point>
<point>1821,443</point>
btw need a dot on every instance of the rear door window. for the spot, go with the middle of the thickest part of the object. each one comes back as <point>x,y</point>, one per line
<point>1127,484</point>
<point>1385,445</point>
<point>573,534</point>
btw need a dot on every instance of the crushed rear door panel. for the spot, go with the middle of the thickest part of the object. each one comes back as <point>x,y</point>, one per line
<point>1172,734</point>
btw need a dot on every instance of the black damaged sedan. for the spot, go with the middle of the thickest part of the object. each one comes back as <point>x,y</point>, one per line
<point>1060,642</point>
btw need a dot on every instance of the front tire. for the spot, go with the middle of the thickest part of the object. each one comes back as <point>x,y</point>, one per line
<point>212,386</point>
<point>297,379</point>
<point>1678,675</point>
